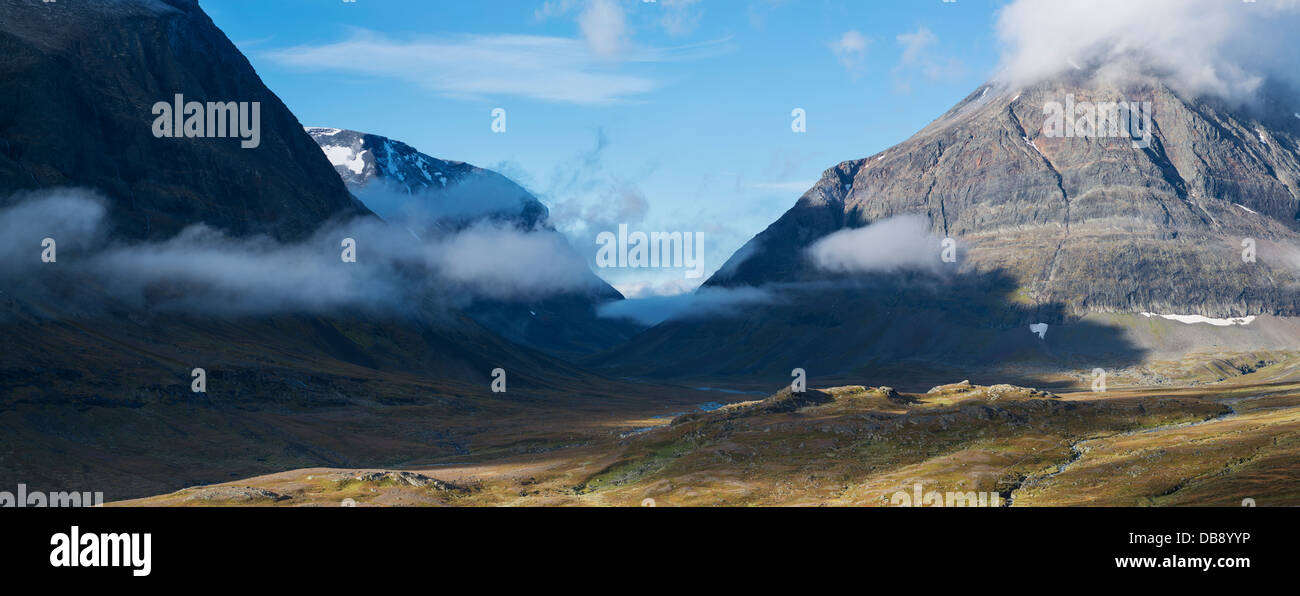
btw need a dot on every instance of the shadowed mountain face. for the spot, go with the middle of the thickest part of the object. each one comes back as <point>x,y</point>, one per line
<point>433,196</point>
<point>910,329</point>
<point>1090,222</point>
<point>95,389</point>
<point>81,80</point>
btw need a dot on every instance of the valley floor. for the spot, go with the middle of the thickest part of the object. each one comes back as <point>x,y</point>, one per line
<point>1211,444</point>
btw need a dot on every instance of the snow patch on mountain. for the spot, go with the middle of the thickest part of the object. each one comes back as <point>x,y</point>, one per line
<point>323,131</point>
<point>346,157</point>
<point>1191,319</point>
<point>396,181</point>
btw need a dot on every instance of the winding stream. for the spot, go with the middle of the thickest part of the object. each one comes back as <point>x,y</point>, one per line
<point>1078,448</point>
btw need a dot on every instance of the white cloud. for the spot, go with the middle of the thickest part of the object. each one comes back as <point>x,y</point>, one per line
<point>554,69</point>
<point>587,199</point>
<point>675,286</point>
<point>204,270</point>
<point>680,16</point>
<point>73,218</point>
<point>604,26</point>
<point>851,49</point>
<point>797,186</point>
<point>1220,47</point>
<point>916,43</point>
<point>705,302</point>
<point>547,68</point>
<point>894,244</point>
<point>503,262</point>
<point>917,58</point>
<point>554,8</point>
<point>759,10</point>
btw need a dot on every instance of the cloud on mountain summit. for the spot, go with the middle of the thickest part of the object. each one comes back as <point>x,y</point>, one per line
<point>1224,48</point>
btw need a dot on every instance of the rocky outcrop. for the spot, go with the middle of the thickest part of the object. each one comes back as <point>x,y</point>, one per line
<point>234,494</point>
<point>961,387</point>
<point>410,479</point>
<point>787,400</point>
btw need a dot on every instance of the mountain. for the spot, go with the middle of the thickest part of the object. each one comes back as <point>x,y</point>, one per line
<point>395,180</point>
<point>1084,233</point>
<point>96,389</point>
<point>402,184</point>
<point>1091,222</point>
<point>83,79</point>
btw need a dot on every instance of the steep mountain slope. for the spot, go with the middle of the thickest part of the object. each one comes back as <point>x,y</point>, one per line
<point>95,389</point>
<point>435,196</point>
<point>1090,222</point>
<point>395,180</point>
<point>81,79</point>
<point>1081,232</point>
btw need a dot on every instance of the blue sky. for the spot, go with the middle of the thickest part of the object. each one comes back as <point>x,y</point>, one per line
<point>671,115</point>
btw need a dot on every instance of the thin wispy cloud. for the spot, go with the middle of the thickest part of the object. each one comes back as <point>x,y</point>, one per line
<point>851,49</point>
<point>586,199</point>
<point>918,58</point>
<point>652,308</point>
<point>680,17</point>
<point>555,69</point>
<point>759,10</point>
<point>604,26</point>
<point>795,186</point>
<point>915,43</point>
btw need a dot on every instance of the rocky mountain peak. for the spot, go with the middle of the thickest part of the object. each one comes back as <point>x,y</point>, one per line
<point>394,179</point>
<point>1150,218</point>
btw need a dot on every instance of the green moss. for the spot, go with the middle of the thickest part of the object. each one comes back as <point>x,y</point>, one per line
<point>626,471</point>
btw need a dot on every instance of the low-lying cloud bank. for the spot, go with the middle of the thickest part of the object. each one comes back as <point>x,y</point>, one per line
<point>478,195</point>
<point>1225,48</point>
<point>705,302</point>
<point>895,244</point>
<point>204,270</point>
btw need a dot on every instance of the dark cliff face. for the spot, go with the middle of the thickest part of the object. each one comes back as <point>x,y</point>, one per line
<point>77,88</point>
<point>78,81</point>
<point>1087,222</point>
